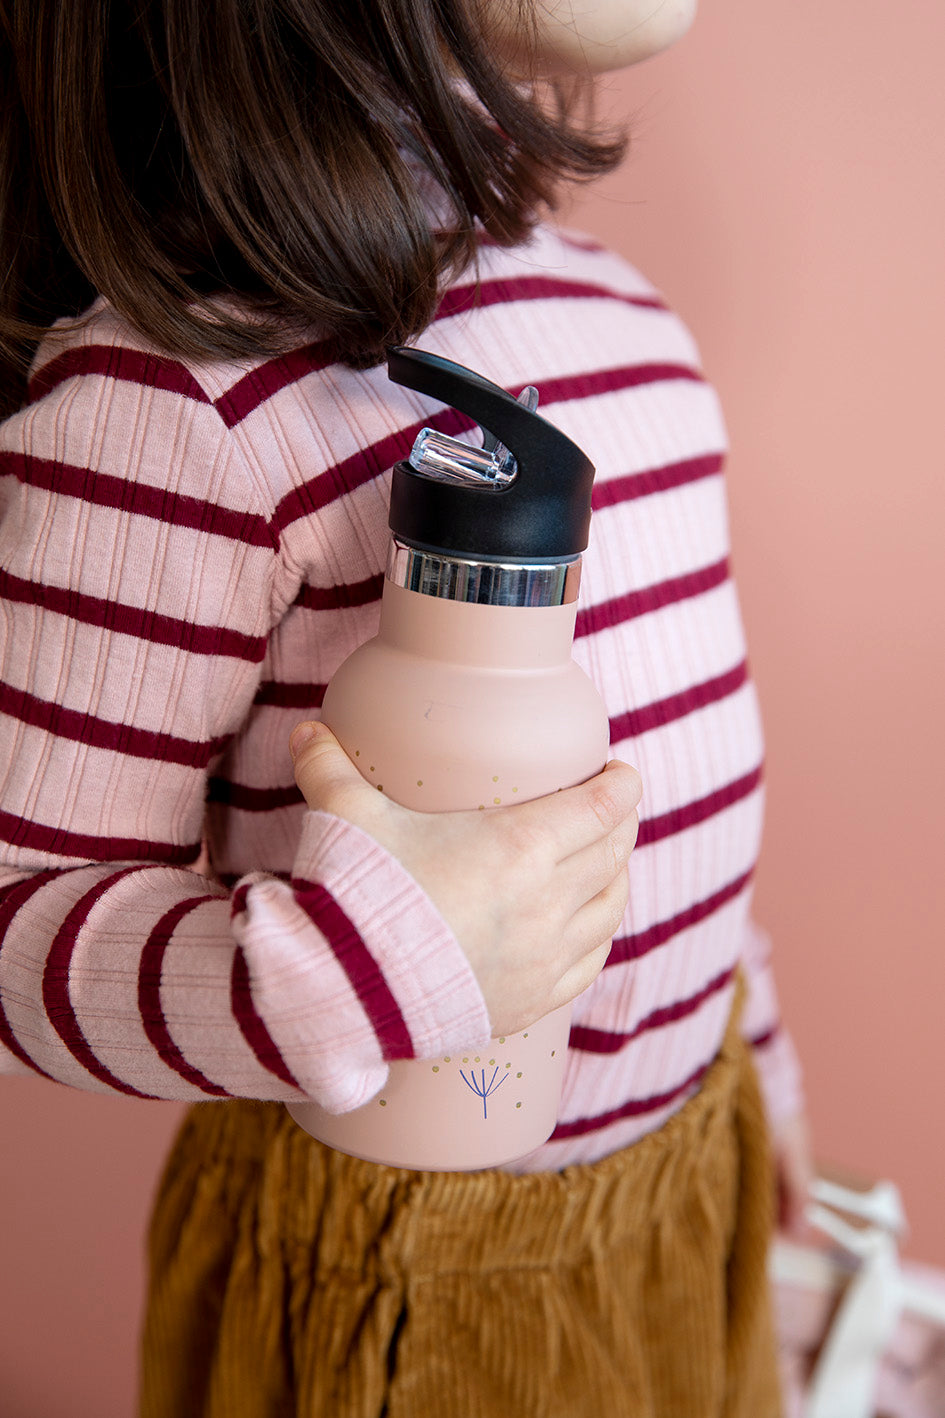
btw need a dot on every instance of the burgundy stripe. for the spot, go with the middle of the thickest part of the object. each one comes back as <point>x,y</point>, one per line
<point>631,1109</point>
<point>359,965</point>
<point>252,1024</point>
<point>149,996</point>
<point>267,379</point>
<point>677,706</point>
<point>238,900</point>
<point>105,490</point>
<point>290,696</point>
<point>276,374</point>
<point>131,620</point>
<point>12,899</point>
<point>38,837</point>
<point>56,999</point>
<point>378,458</point>
<point>362,467</point>
<point>153,372</point>
<point>606,1041</point>
<point>607,614</point>
<point>358,593</point>
<point>221,790</point>
<point>104,733</point>
<point>655,829</point>
<point>631,947</point>
<point>759,1041</point>
<point>611,381</point>
<point>654,480</point>
<point>149,370</point>
<point>580,241</point>
<point>511,290</point>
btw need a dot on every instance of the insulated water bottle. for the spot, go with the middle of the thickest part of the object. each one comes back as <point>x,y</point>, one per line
<point>468,698</point>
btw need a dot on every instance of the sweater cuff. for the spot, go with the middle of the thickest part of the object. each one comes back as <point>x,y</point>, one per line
<point>352,965</point>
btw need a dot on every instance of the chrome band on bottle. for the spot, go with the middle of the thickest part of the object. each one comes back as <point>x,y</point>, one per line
<point>490,583</point>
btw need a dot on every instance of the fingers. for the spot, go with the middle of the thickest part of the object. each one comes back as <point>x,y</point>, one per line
<point>591,870</point>
<point>533,893</point>
<point>580,976</point>
<point>325,774</point>
<point>588,939</point>
<point>577,817</point>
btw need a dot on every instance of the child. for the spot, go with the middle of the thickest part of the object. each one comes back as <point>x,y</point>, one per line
<point>225,211</point>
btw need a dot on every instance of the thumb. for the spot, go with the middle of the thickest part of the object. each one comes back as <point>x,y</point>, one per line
<point>324,772</point>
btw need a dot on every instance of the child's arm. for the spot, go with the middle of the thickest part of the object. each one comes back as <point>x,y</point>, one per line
<point>778,1067</point>
<point>781,1081</point>
<point>135,617</point>
<point>136,572</point>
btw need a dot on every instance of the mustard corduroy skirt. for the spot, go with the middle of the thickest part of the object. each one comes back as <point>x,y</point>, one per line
<point>289,1279</point>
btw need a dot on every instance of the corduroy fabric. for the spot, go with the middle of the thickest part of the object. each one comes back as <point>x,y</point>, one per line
<point>289,1279</point>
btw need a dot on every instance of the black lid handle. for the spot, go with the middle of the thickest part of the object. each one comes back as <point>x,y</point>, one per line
<point>543,513</point>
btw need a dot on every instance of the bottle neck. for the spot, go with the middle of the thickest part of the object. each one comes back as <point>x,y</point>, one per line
<point>467,633</point>
<point>491,583</point>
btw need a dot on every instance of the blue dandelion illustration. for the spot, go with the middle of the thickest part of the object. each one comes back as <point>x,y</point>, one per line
<point>480,1087</point>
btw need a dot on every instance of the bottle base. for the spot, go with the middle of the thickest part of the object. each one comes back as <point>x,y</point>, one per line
<point>459,1113</point>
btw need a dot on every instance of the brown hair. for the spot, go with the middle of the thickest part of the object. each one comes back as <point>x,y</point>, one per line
<point>165,152</point>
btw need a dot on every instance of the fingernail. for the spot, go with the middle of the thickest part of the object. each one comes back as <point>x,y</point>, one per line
<point>301,735</point>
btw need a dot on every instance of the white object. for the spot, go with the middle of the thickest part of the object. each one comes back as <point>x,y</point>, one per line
<point>877,1292</point>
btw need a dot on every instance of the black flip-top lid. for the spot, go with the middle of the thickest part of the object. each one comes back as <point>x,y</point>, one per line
<point>543,514</point>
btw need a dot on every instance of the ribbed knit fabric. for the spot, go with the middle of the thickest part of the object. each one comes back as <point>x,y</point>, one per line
<point>290,1279</point>
<point>186,555</point>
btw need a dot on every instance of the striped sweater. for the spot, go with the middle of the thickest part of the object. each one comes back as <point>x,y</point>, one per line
<point>187,552</point>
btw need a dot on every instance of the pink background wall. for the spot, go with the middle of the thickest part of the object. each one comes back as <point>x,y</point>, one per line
<point>786,192</point>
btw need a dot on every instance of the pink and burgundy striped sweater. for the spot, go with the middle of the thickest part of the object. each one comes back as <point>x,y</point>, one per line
<point>187,553</point>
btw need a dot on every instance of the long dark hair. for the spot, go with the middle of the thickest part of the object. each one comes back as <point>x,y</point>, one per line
<point>166,152</point>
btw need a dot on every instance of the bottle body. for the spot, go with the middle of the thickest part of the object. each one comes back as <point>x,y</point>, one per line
<point>464,706</point>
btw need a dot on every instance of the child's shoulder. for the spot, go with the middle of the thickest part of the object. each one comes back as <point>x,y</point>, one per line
<point>560,255</point>
<point>104,344</point>
<point>107,409</point>
<point>583,290</point>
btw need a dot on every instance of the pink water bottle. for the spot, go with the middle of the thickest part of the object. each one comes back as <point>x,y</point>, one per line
<point>468,698</point>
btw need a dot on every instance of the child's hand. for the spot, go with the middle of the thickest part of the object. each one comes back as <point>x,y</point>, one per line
<point>533,892</point>
<point>794,1169</point>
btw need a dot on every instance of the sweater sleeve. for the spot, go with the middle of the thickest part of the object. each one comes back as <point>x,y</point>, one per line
<point>779,1069</point>
<point>137,560</point>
